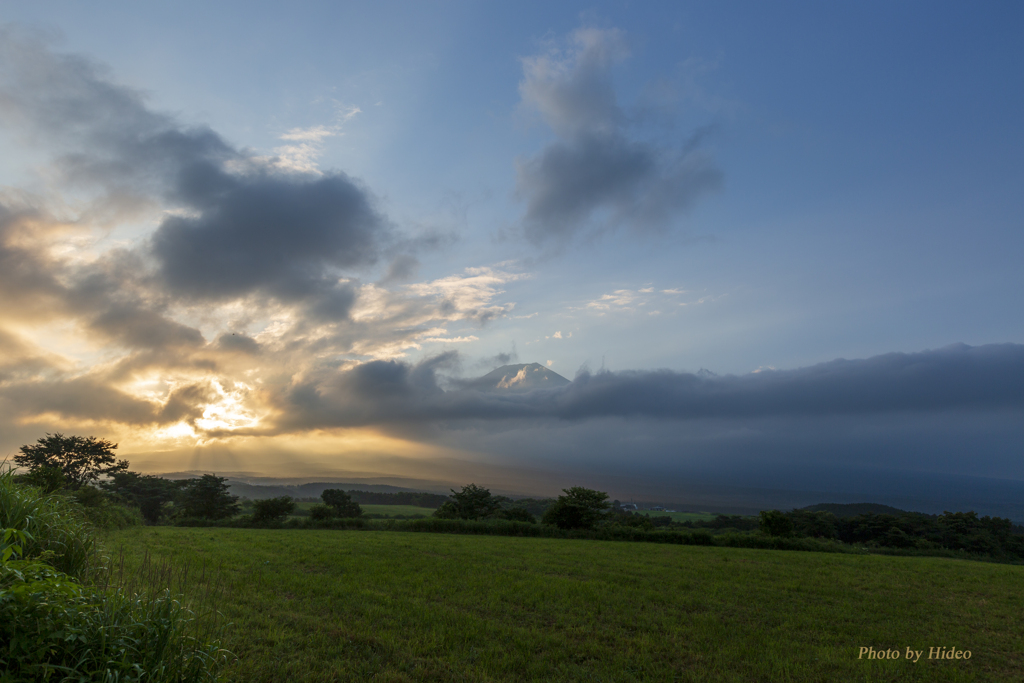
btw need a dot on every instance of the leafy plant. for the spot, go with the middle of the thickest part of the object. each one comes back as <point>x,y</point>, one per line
<point>49,479</point>
<point>51,524</point>
<point>54,628</point>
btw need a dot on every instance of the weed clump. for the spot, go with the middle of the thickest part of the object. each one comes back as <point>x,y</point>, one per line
<point>56,626</point>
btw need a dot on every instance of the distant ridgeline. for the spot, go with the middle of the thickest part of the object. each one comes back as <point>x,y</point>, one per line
<point>423,500</point>
<point>365,494</point>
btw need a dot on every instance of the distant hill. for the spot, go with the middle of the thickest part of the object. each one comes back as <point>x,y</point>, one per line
<point>311,490</point>
<point>842,510</point>
<point>518,379</point>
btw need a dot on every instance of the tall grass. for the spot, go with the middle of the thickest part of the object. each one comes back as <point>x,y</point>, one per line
<point>54,529</point>
<point>55,628</point>
<point>78,634</point>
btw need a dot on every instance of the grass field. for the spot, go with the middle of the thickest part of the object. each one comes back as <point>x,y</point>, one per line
<point>308,605</point>
<point>385,510</point>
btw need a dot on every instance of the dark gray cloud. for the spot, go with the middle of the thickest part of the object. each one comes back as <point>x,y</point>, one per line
<point>284,236</point>
<point>244,224</point>
<point>77,398</point>
<point>955,378</point>
<point>886,428</point>
<point>596,174</point>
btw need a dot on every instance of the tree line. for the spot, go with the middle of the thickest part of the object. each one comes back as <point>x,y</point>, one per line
<point>996,537</point>
<point>87,469</point>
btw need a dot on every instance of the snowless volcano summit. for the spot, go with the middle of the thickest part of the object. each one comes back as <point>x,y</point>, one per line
<point>519,379</point>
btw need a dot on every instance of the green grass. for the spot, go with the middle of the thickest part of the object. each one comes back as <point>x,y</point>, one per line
<point>310,605</point>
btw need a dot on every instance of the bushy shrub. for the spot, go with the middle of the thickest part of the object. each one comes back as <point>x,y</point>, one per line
<point>517,514</point>
<point>103,510</point>
<point>320,512</point>
<point>272,509</point>
<point>48,479</point>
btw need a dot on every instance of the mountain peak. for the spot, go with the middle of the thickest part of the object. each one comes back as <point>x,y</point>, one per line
<point>518,378</point>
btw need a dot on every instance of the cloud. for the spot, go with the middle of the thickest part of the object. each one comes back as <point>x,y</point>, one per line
<point>951,412</point>
<point>282,235</point>
<point>239,277</point>
<point>596,174</point>
<point>236,224</point>
<point>958,378</point>
<point>469,295</point>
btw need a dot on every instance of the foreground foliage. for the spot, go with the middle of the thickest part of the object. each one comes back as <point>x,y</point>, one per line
<point>311,605</point>
<point>55,626</point>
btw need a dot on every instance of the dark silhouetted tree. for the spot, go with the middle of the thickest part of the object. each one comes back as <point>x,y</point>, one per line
<point>272,509</point>
<point>151,494</point>
<point>579,508</point>
<point>80,459</point>
<point>341,503</point>
<point>776,523</point>
<point>472,502</point>
<point>206,497</point>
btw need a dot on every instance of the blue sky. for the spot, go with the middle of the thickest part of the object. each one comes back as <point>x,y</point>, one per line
<point>635,186</point>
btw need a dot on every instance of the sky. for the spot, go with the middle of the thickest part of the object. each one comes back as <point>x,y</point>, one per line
<point>774,247</point>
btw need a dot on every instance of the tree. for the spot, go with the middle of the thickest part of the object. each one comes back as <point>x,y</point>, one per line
<point>776,523</point>
<point>272,509</point>
<point>80,459</point>
<point>579,508</point>
<point>472,502</point>
<point>151,494</point>
<point>341,503</point>
<point>206,497</point>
